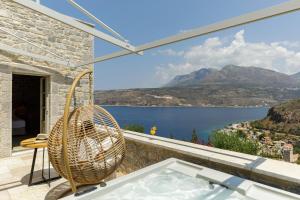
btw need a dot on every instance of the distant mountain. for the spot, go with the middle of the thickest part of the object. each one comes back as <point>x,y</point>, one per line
<point>193,78</point>
<point>230,86</point>
<point>296,77</point>
<point>236,76</point>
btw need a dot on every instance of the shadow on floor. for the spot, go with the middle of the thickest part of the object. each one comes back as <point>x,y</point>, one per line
<point>64,190</point>
<point>59,191</point>
<point>37,176</point>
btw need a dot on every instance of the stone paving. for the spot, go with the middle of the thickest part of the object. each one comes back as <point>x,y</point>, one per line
<point>14,177</point>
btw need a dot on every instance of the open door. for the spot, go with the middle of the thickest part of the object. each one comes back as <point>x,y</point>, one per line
<point>29,107</point>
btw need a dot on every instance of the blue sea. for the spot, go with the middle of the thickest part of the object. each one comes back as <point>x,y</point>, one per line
<point>180,121</point>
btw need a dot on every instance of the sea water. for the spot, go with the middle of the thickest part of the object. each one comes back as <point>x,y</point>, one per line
<point>179,122</point>
<point>169,184</point>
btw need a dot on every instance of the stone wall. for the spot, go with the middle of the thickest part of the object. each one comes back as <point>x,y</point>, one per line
<point>50,34</point>
<point>141,153</point>
<point>5,114</point>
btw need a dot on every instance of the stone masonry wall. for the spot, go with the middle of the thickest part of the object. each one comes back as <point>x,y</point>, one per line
<point>50,34</point>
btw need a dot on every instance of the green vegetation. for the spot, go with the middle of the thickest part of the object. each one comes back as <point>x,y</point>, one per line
<point>194,137</point>
<point>241,134</point>
<point>234,142</point>
<point>261,136</point>
<point>282,118</point>
<point>257,124</point>
<point>298,161</point>
<point>297,149</point>
<point>273,156</point>
<point>135,127</point>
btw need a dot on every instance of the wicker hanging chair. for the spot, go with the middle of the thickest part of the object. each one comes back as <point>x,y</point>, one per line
<point>85,145</point>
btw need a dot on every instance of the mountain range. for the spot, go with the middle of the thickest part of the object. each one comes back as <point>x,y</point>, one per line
<point>238,76</point>
<point>230,86</point>
<point>296,76</point>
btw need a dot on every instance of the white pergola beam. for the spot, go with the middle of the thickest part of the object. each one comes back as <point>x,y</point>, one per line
<point>16,51</point>
<point>95,19</point>
<point>74,23</point>
<point>272,11</point>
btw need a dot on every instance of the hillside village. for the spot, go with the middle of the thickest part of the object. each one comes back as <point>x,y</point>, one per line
<point>272,144</point>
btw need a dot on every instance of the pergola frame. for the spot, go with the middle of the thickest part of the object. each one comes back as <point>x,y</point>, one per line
<point>74,23</point>
<point>272,11</point>
<point>95,19</point>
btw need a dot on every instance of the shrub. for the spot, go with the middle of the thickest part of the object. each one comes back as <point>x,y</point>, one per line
<point>257,124</point>
<point>135,128</point>
<point>233,142</point>
<point>194,137</point>
<point>241,134</point>
<point>298,161</point>
<point>261,136</point>
<point>297,149</point>
<point>273,156</point>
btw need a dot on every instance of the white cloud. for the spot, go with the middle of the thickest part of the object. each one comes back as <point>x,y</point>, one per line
<point>214,53</point>
<point>289,44</point>
<point>171,52</point>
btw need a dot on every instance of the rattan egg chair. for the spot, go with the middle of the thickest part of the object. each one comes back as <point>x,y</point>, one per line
<point>85,145</point>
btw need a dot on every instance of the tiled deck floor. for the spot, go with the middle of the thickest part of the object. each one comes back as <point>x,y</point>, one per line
<point>14,177</point>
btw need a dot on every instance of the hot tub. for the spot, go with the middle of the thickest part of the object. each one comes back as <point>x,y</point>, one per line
<point>175,179</point>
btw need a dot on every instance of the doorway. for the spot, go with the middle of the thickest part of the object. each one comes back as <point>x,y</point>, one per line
<point>28,107</point>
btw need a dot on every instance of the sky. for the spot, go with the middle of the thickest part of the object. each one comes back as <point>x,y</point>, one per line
<point>273,43</point>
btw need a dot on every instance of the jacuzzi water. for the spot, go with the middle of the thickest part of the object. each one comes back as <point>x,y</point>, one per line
<point>168,184</point>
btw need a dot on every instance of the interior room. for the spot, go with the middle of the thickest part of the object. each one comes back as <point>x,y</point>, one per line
<point>25,107</point>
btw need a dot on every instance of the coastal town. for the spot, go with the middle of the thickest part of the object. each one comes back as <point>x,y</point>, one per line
<point>272,144</point>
